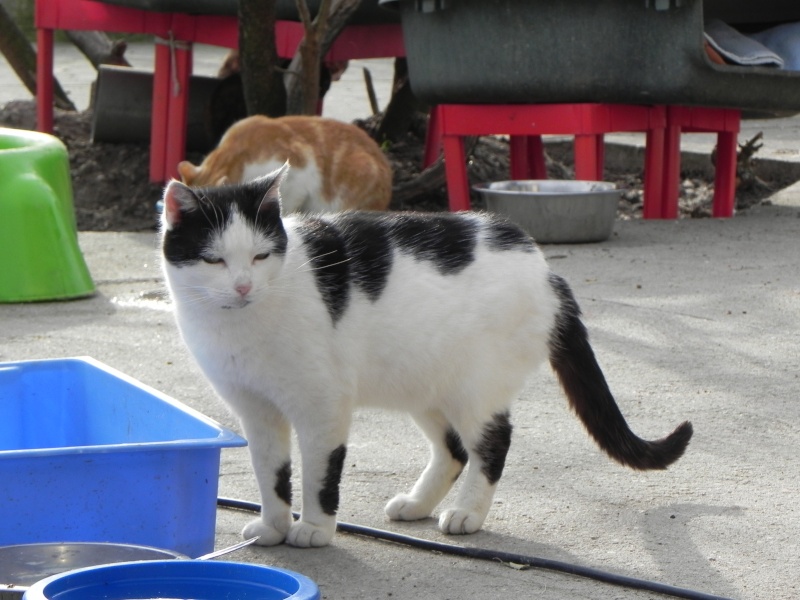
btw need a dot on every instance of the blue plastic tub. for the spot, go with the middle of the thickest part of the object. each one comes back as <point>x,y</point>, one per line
<point>167,580</point>
<point>88,454</point>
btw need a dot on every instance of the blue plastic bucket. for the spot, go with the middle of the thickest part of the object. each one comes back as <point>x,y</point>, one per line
<point>180,579</point>
<point>74,436</point>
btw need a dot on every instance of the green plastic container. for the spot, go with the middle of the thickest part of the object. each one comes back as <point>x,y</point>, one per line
<point>38,236</point>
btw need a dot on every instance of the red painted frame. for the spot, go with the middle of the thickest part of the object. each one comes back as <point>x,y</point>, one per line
<point>175,33</point>
<point>725,122</point>
<point>526,123</point>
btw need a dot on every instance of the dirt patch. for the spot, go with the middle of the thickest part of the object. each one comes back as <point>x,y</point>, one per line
<point>112,191</point>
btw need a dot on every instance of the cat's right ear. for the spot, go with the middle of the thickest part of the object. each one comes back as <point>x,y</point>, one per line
<point>271,199</point>
<point>187,171</point>
<point>178,199</point>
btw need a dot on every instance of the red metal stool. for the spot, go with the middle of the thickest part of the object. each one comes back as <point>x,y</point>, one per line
<point>526,123</point>
<point>175,33</point>
<point>725,122</point>
<point>86,15</point>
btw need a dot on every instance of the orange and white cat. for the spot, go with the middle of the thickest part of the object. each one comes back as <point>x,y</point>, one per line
<point>335,166</point>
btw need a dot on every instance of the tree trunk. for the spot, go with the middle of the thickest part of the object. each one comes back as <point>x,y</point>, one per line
<point>99,48</point>
<point>302,77</point>
<point>21,56</point>
<point>262,81</point>
<point>401,108</point>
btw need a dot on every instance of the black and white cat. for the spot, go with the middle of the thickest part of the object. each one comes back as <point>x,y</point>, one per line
<point>297,321</point>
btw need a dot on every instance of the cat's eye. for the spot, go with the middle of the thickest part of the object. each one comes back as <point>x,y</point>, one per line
<point>214,260</point>
<point>261,256</point>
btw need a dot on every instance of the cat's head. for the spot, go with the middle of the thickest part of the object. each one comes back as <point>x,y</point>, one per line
<point>203,175</point>
<point>223,246</point>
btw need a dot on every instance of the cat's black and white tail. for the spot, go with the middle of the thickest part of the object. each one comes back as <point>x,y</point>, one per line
<point>583,382</point>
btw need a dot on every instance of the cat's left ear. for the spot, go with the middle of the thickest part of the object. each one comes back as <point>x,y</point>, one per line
<point>178,199</point>
<point>271,198</point>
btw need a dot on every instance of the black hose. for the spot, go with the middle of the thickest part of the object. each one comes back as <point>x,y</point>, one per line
<point>496,555</point>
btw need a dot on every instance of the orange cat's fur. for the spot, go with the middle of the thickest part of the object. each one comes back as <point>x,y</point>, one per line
<point>335,166</point>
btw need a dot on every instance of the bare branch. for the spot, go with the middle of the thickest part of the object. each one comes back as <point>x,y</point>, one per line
<point>302,78</point>
<point>22,57</point>
<point>98,48</point>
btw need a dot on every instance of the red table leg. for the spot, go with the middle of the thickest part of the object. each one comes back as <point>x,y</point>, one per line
<point>158,121</point>
<point>44,80</point>
<point>538,167</point>
<point>518,163</point>
<point>671,172</point>
<point>653,198</point>
<point>527,157</point>
<point>725,176</point>
<point>456,172</point>
<point>433,138</point>
<point>178,108</point>
<point>589,157</point>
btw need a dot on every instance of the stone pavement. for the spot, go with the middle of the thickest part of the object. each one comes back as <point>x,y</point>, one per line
<point>691,319</point>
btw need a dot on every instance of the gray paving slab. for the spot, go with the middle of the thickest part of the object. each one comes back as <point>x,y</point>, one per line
<point>692,319</point>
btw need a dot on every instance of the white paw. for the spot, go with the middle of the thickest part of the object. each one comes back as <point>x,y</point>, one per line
<point>269,534</point>
<point>406,508</point>
<point>306,535</point>
<point>459,521</point>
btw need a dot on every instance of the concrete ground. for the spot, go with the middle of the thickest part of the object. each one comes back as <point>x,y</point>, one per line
<point>692,319</point>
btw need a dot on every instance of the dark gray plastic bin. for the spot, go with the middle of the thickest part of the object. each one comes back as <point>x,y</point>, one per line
<point>615,51</point>
<point>123,102</point>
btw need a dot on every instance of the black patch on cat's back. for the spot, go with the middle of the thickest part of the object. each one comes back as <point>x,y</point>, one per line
<point>355,249</point>
<point>329,494</point>
<point>329,263</point>
<point>369,251</point>
<point>494,445</point>
<point>447,240</point>
<point>502,234</point>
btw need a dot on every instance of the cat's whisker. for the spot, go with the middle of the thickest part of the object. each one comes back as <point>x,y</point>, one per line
<point>313,258</point>
<point>321,267</point>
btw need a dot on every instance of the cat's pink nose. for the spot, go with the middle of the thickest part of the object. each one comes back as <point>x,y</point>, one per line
<point>243,289</point>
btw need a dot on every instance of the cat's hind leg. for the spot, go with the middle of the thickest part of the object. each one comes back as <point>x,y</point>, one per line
<point>268,438</point>
<point>487,455</point>
<point>448,458</point>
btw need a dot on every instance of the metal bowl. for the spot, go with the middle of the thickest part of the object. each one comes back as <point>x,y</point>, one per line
<point>556,211</point>
<point>23,565</point>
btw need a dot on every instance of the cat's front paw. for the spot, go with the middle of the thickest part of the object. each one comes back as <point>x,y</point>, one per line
<point>307,535</point>
<point>459,521</point>
<point>404,507</point>
<point>269,533</point>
